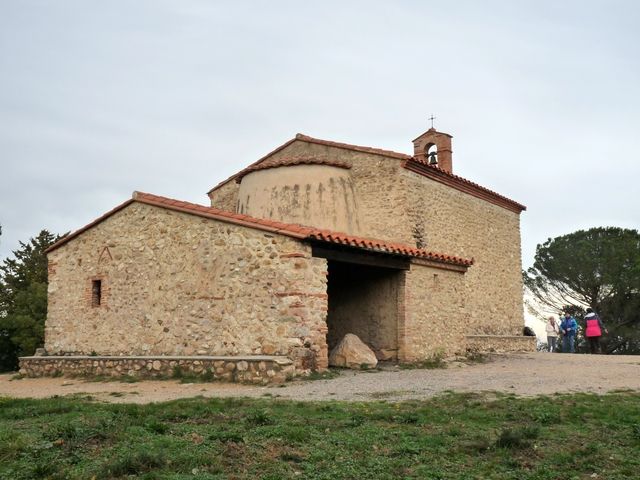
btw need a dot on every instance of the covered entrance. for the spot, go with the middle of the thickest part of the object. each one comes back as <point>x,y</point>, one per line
<point>366,292</point>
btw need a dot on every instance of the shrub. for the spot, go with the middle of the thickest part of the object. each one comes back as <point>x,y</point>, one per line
<point>518,437</point>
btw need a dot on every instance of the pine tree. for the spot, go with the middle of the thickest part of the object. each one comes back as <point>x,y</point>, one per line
<point>597,268</point>
<point>23,300</point>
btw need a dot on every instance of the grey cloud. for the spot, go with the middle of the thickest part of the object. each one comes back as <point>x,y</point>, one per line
<point>100,98</point>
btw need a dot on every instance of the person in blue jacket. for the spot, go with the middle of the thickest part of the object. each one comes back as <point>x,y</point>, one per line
<point>569,328</point>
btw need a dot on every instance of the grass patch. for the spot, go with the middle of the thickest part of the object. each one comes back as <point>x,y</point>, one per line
<point>388,394</point>
<point>133,462</point>
<point>434,362</point>
<point>473,357</point>
<point>453,436</point>
<point>517,437</point>
<point>326,375</point>
<point>206,376</point>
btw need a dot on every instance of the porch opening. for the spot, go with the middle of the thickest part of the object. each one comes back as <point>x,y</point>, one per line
<point>365,300</point>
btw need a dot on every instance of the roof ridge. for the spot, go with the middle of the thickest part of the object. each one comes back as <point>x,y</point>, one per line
<point>264,157</point>
<point>260,223</point>
<point>462,180</point>
<point>304,231</point>
<point>485,193</point>
<point>290,162</point>
<point>301,232</point>
<point>350,146</point>
<point>329,143</point>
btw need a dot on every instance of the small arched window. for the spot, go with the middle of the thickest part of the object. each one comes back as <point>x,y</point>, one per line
<point>431,153</point>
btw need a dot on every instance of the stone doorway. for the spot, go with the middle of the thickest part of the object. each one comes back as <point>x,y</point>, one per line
<point>365,300</point>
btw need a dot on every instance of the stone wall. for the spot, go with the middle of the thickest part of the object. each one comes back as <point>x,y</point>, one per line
<point>178,284</point>
<point>225,197</point>
<point>434,313</point>
<point>253,369</point>
<point>317,195</point>
<point>460,224</point>
<point>500,344</point>
<point>379,199</point>
<point>182,285</point>
<point>399,205</point>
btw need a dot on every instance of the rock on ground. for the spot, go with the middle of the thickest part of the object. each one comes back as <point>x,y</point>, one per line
<point>352,352</point>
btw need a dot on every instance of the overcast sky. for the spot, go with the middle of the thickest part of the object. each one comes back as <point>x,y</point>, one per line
<point>98,99</point>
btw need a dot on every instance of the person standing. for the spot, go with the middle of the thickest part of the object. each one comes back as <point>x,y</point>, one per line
<point>569,328</point>
<point>552,334</point>
<point>593,330</point>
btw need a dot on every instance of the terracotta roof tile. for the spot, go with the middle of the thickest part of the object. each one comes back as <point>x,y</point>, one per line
<point>317,141</point>
<point>276,150</point>
<point>421,167</point>
<point>412,163</point>
<point>387,247</point>
<point>292,230</point>
<point>72,235</point>
<point>357,148</point>
<point>291,161</point>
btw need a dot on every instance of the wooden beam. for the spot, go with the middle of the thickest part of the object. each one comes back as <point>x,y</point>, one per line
<point>361,258</point>
<point>441,265</point>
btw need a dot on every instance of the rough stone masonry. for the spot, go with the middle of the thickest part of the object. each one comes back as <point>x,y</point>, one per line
<point>315,240</point>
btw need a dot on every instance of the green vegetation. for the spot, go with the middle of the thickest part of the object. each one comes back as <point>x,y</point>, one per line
<point>455,436</point>
<point>433,363</point>
<point>597,268</point>
<point>438,361</point>
<point>23,300</point>
<point>326,375</point>
<point>474,357</point>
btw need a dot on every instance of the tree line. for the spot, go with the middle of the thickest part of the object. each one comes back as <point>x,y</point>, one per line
<point>23,300</point>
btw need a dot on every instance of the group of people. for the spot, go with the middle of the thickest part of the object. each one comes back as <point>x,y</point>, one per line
<point>568,329</point>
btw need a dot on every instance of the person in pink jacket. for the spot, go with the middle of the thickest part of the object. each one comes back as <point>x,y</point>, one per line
<point>593,330</point>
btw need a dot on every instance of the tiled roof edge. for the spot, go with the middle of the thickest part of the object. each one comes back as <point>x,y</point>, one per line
<point>98,220</point>
<point>318,141</point>
<point>462,184</point>
<point>357,148</point>
<point>382,246</point>
<point>292,230</point>
<point>300,232</point>
<point>232,177</point>
<point>431,130</point>
<point>288,229</point>
<point>290,162</point>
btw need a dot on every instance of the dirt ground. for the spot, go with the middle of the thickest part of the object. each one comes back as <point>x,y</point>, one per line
<point>527,374</point>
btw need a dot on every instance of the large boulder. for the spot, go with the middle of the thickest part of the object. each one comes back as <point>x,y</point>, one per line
<point>352,352</point>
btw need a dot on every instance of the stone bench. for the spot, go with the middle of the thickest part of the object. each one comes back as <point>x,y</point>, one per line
<point>255,369</point>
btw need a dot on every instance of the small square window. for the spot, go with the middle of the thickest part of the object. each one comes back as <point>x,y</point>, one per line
<point>96,293</point>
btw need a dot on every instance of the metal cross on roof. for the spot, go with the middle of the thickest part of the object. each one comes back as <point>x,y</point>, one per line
<point>432,118</point>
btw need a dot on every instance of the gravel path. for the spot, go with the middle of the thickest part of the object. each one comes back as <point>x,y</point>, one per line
<point>522,374</point>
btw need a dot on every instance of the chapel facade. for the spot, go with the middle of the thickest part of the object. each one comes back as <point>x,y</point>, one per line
<point>314,240</point>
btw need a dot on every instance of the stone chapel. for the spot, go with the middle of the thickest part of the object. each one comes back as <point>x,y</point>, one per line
<point>314,240</point>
